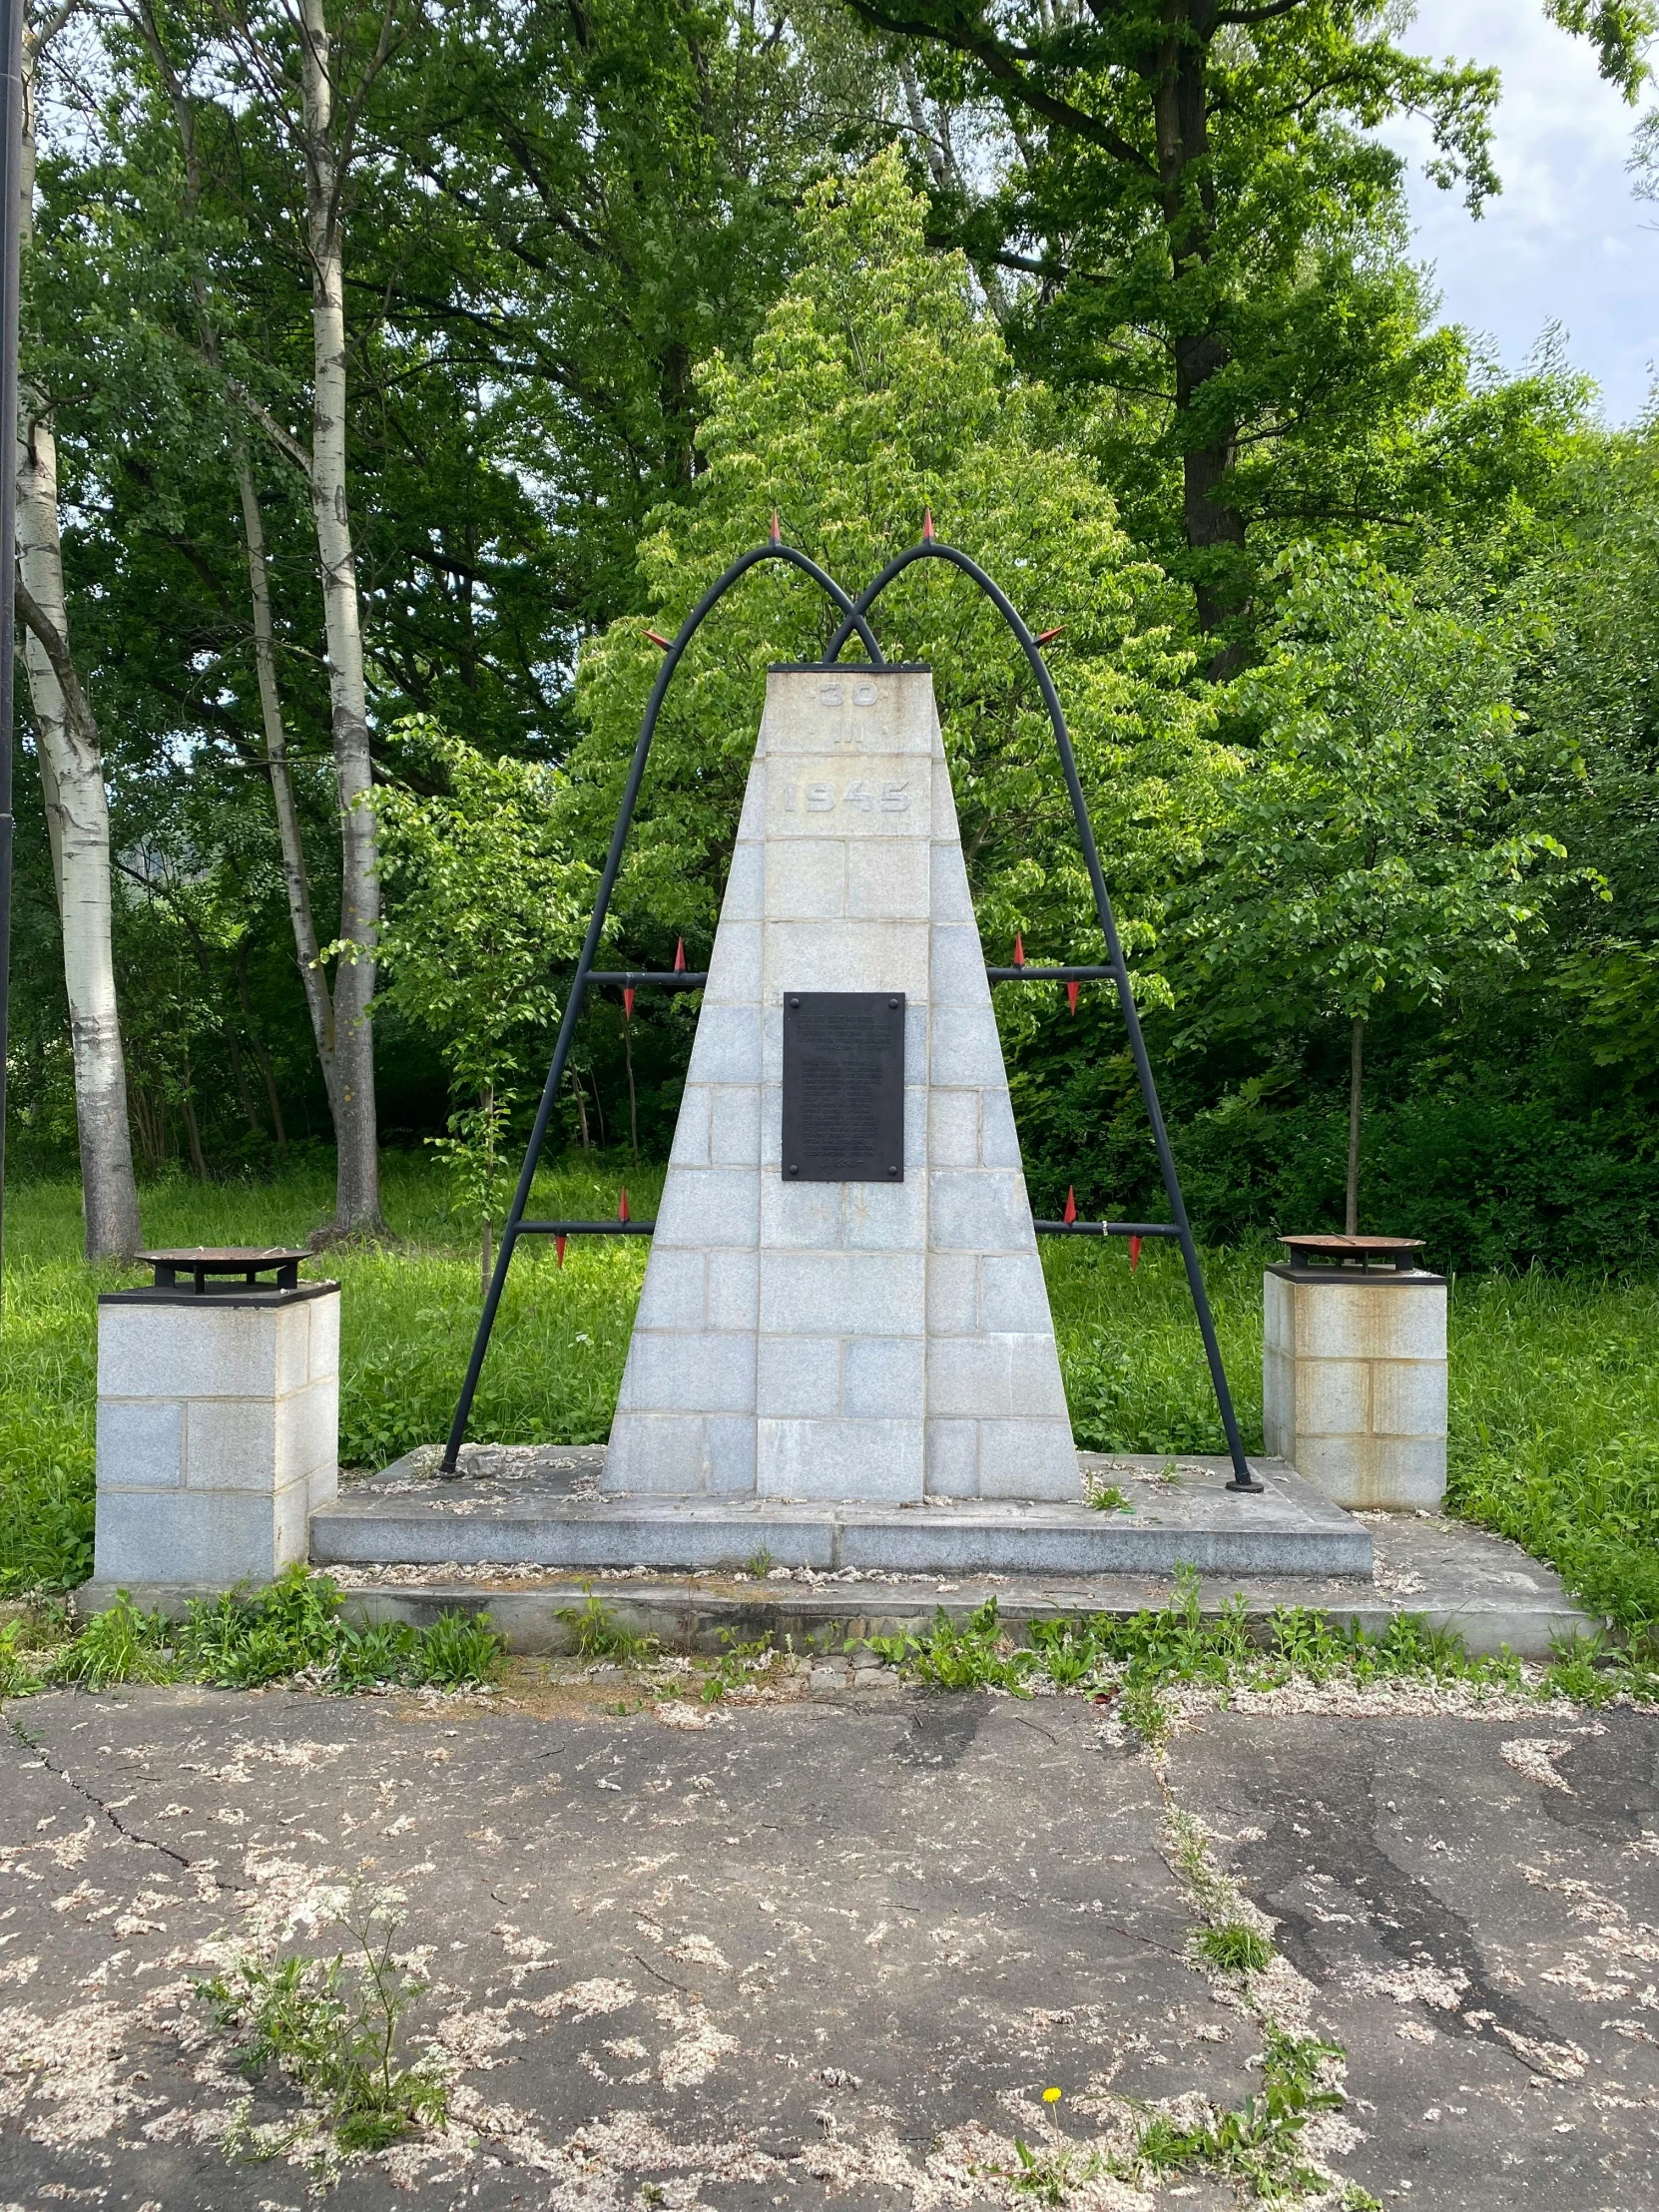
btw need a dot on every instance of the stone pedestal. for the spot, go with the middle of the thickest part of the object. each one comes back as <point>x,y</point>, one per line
<point>883,1340</point>
<point>1354,1383</point>
<point>218,1431</point>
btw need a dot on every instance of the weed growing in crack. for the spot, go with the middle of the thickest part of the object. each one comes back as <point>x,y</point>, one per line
<point>737,1666</point>
<point>120,1644</point>
<point>377,1655</point>
<point>1107,1497</point>
<point>241,1641</point>
<point>1592,1671</point>
<point>757,1565</point>
<point>460,1652</point>
<point>599,1635</point>
<point>1258,2143</point>
<point>1234,1947</point>
<point>1066,1653</point>
<point>975,1654</point>
<point>331,2028</point>
<point>1132,1661</point>
<point>1048,2175</point>
<point>1145,1714</point>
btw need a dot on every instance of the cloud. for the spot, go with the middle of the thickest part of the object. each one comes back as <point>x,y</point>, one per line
<point>1567,242</point>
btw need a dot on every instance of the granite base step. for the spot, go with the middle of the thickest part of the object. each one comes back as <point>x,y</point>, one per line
<point>542,1506</point>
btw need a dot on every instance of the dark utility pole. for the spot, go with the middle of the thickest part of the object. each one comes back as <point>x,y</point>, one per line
<point>11,163</point>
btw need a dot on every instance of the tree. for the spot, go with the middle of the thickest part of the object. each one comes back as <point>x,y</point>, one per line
<point>1207,226</point>
<point>485,901</point>
<point>877,387</point>
<point>320,81</point>
<point>70,754</point>
<point>1371,844</point>
<point>296,872</point>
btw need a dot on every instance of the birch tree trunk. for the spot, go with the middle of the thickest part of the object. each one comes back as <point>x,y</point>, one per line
<point>357,1186</point>
<point>294,875</point>
<point>72,781</point>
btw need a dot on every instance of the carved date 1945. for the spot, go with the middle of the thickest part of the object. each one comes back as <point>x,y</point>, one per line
<point>820,798</point>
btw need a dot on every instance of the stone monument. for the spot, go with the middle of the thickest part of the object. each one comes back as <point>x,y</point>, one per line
<point>843,1298</point>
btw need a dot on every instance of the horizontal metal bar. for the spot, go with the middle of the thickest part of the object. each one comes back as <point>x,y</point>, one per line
<point>583,1228</point>
<point>694,979</point>
<point>1105,1229</point>
<point>1043,1228</point>
<point>658,979</point>
<point>1049,974</point>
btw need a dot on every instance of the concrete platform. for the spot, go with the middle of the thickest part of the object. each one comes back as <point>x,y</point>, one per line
<point>1455,1577</point>
<point>544,1508</point>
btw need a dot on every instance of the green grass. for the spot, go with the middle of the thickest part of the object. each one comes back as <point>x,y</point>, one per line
<point>1555,1380</point>
<point>242,1640</point>
<point>1129,1661</point>
<point>1235,1948</point>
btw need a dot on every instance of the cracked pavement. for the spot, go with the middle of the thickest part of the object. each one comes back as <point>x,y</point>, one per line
<point>829,1951</point>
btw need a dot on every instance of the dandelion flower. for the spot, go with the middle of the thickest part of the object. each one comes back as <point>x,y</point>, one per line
<point>1051,2096</point>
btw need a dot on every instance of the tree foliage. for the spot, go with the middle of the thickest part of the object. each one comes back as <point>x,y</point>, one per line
<point>1373,841</point>
<point>875,393</point>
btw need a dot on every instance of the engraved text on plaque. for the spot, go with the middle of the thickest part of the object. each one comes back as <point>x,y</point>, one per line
<point>844,1087</point>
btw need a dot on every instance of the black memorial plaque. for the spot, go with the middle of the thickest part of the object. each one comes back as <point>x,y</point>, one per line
<point>844,1086</point>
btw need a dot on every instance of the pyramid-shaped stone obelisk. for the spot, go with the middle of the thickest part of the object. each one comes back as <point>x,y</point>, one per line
<point>871,1340</point>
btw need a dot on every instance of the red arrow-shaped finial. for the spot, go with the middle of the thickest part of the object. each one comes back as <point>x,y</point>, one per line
<point>679,955</point>
<point>1070,1212</point>
<point>1047,637</point>
<point>657,638</point>
<point>627,1001</point>
<point>777,533</point>
<point>1134,1253</point>
<point>926,525</point>
<point>622,1212</point>
<point>559,1248</point>
<point>1071,997</point>
<point>1020,949</point>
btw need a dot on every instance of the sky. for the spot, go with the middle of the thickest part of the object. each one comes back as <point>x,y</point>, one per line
<point>1567,242</point>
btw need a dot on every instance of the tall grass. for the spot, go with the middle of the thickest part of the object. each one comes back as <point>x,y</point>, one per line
<point>1556,1384</point>
<point>407,1314</point>
<point>1555,1426</point>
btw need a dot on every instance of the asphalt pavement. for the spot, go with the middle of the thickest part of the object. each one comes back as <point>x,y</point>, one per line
<point>832,1948</point>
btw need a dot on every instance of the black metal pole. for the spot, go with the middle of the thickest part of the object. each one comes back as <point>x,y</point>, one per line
<point>854,620</point>
<point>11,168</point>
<point>930,549</point>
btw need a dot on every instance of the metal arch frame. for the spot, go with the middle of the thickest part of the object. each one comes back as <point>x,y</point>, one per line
<point>854,622</point>
<point>514,1224</point>
<point>1117,968</point>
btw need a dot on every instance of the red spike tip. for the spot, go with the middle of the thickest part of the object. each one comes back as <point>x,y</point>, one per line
<point>657,638</point>
<point>559,1248</point>
<point>777,531</point>
<point>627,1002</point>
<point>622,1212</point>
<point>1048,637</point>
<point>1020,948</point>
<point>1134,1253</point>
<point>679,955</point>
<point>1070,1212</point>
<point>926,525</point>
<point>1071,997</point>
